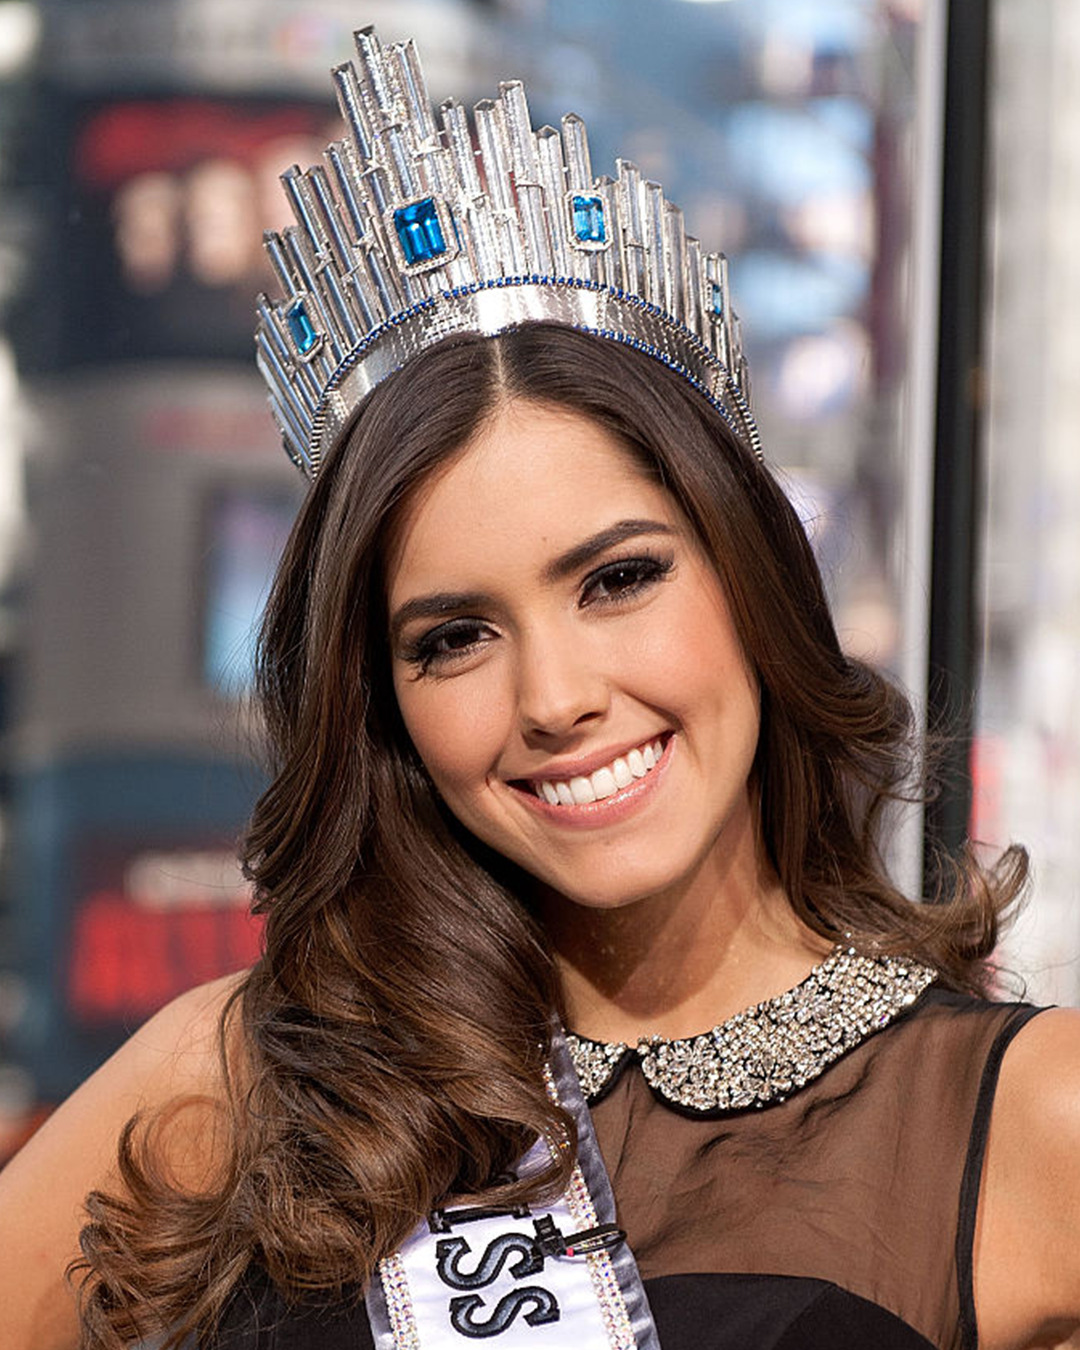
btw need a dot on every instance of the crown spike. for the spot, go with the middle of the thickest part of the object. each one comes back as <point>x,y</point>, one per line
<point>693,292</point>
<point>323,320</point>
<point>603,260</point>
<point>338,156</point>
<point>409,78</point>
<point>380,93</point>
<point>675,249</point>
<point>519,132</point>
<point>495,159</point>
<point>297,395</point>
<point>717,271</point>
<point>659,281</point>
<point>632,231</point>
<point>302,197</point>
<point>276,254</point>
<point>578,164</point>
<point>553,177</point>
<point>400,163</point>
<point>455,122</point>
<point>483,240</point>
<point>493,153</point>
<point>374,184</point>
<point>344,322</point>
<point>329,215</point>
<point>304,390</point>
<point>353,113</point>
<point>295,426</point>
<point>386,283</point>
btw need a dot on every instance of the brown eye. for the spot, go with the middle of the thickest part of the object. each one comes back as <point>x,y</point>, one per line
<point>443,644</point>
<point>623,579</point>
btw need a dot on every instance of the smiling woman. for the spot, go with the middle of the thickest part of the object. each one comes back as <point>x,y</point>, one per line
<point>589,1015</point>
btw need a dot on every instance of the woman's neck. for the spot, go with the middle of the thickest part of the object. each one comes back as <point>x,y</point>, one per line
<point>680,962</point>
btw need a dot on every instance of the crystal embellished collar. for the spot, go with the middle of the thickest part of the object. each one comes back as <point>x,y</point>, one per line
<point>764,1054</point>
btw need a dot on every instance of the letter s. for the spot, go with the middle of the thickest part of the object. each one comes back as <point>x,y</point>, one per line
<point>449,1251</point>
<point>544,1309</point>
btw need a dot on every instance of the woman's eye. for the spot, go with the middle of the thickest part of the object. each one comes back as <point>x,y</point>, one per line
<point>455,639</point>
<point>621,580</point>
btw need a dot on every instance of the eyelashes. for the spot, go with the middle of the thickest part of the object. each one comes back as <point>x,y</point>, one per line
<point>609,587</point>
<point>450,641</point>
<point>624,578</point>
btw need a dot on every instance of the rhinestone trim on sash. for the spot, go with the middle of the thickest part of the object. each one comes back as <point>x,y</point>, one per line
<point>764,1054</point>
<point>605,1282</point>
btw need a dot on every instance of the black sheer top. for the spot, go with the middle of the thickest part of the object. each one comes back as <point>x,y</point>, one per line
<point>841,1216</point>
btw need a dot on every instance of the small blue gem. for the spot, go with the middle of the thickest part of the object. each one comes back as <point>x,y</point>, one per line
<point>587,219</point>
<point>717,301</point>
<point>419,231</point>
<point>300,327</point>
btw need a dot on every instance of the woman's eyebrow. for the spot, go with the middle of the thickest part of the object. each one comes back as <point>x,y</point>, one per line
<point>582,554</point>
<point>435,606</point>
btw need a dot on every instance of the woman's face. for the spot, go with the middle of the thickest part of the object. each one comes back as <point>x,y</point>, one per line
<point>565,663</point>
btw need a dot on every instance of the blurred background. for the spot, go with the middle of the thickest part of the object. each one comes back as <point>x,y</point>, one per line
<point>897,184</point>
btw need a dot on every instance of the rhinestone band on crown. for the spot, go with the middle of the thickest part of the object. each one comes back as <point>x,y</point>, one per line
<point>408,235</point>
<point>764,1054</point>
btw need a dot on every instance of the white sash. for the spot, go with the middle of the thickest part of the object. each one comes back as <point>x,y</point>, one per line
<point>555,1278</point>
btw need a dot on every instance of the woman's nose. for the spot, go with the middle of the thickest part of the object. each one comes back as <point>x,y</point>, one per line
<point>561,686</point>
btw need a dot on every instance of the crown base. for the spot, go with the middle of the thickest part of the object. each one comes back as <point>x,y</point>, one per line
<point>491,307</point>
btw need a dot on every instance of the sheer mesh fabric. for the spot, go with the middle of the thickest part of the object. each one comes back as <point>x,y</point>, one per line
<point>856,1179</point>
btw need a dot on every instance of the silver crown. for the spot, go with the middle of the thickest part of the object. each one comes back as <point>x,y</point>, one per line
<point>409,234</point>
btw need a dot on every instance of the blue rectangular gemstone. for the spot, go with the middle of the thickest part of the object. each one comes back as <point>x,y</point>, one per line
<point>300,326</point>
<point>419,230</point>
<point>588,220</point>
<point>717,301</point>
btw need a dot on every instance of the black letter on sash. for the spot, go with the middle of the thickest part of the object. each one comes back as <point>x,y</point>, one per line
<point>544,1309</point>
<point>449,1251</point>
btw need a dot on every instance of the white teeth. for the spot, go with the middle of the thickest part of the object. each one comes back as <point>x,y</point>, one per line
<point>605,782</point>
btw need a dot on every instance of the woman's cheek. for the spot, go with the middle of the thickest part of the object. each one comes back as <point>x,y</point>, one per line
<point>458,728</point>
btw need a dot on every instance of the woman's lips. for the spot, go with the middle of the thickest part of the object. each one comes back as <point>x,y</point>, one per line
<point>604,782</point>
<point>607,793</point>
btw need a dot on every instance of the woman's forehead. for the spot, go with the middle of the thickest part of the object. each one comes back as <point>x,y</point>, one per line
<point>532,482</point>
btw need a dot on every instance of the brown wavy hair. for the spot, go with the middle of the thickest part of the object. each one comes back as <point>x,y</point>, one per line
<point>387,1047</point>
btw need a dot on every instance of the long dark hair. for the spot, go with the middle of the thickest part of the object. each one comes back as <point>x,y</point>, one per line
<point>388,1046</point>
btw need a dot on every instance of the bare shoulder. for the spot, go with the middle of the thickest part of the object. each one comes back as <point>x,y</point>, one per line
<point>175,1055</point>
<point>179,1048</point>
<point>1027,1251</point>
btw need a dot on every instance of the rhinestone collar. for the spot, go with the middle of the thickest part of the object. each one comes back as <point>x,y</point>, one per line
<point>764,1054</point>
